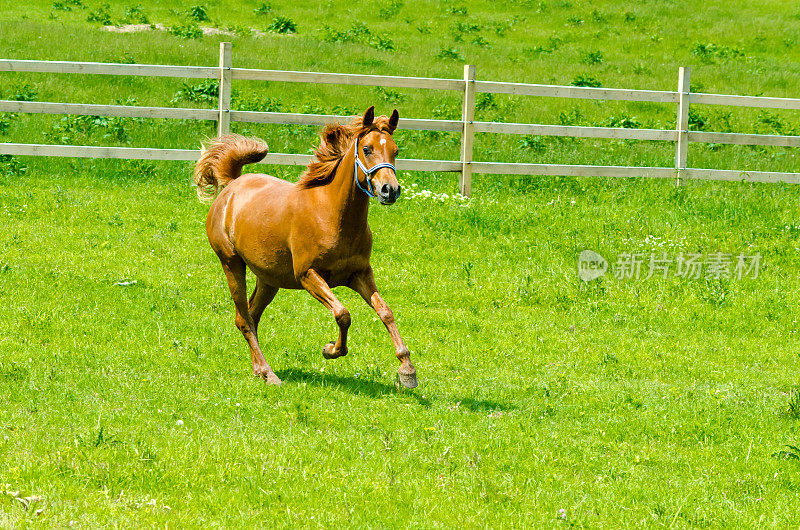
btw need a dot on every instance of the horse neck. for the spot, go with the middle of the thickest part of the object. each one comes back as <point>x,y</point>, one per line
<point>347,204</point>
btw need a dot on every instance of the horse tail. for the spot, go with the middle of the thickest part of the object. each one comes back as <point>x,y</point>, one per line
<point>222,161</point>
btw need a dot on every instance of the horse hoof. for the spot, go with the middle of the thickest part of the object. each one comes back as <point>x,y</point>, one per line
<point>408,380</point>
<point>329,353</point>
<point>270,378</point>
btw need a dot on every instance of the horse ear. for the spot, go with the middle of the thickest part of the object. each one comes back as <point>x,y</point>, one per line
<point>369,116</point>
<point>394,119</point>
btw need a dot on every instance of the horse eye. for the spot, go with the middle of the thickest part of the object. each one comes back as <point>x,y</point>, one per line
<point>367,150</point>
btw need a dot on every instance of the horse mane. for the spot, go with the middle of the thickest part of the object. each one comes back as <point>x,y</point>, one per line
<point>335,140</point>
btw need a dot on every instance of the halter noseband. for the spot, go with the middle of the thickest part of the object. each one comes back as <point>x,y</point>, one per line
<point>368,172</point>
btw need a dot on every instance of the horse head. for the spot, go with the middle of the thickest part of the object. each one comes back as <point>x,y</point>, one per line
<point>378,151</point>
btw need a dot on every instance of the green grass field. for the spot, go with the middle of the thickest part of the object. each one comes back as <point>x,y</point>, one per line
<point>544,401</point>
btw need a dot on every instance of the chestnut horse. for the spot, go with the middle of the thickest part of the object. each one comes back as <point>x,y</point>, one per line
<point>311,235</point>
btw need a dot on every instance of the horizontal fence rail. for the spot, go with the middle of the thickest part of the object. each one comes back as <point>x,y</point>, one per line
<point>580,92</point>
<point>749,176</point>
<point>87,151</point>
<point>346,79</point>
<point>149,153</point>
<point>288,118</point>
<point>571,170</point>
<point>746,101</point>
<point>744,139</point>
<point>68,67</point>
<point>125,111</point>
<point>575,131</point>
<point>466,126</point>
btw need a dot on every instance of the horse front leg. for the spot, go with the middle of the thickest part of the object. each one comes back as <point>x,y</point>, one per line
<point>319,289</point>
<point>364,284</point>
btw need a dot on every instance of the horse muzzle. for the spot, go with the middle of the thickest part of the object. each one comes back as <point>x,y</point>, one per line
<point>388,194</point>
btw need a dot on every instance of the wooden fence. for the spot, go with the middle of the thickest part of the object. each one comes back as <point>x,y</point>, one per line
<point>469,86</point>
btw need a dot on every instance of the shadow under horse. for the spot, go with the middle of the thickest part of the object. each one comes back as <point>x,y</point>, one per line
<point>311,235</point>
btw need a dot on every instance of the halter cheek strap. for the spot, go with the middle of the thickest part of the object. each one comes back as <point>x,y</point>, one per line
<point>370,191</point>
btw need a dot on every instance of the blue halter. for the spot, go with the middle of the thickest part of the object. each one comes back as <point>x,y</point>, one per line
<point>368,172</point>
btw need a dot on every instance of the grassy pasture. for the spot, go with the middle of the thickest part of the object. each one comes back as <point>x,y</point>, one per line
<point>661,402</point>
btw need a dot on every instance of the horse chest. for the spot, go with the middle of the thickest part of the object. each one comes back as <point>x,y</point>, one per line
<point>343,251</point>
<point>338,258</point>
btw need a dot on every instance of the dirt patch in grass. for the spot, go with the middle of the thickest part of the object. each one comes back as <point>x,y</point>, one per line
<point>207,30</point>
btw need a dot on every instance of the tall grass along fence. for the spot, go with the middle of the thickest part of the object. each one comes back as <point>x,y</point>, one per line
<point>468,86</point>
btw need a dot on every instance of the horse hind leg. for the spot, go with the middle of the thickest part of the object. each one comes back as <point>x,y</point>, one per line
<point>235,272</point>
<point>262,295</point>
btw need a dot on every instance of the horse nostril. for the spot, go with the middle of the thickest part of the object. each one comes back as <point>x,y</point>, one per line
<point>399,190</point>
<point>386,190</point>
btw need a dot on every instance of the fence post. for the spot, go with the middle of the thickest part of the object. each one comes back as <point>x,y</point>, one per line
<point>468,131</point>
<point>225,59</point>
<point>682,127</point>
